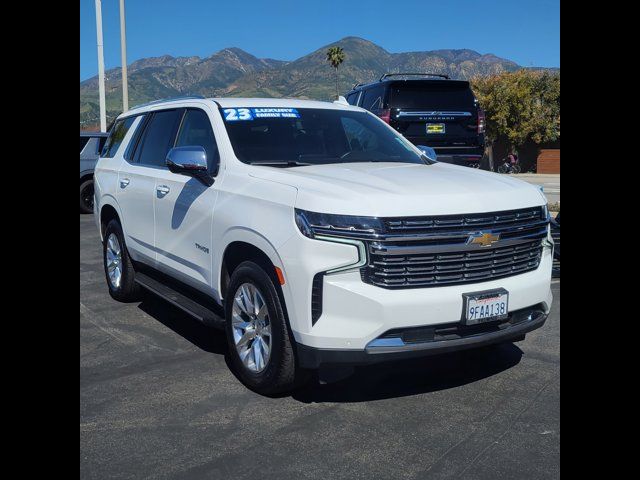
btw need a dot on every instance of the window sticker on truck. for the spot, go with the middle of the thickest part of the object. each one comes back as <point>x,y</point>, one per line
<point>235,114</point>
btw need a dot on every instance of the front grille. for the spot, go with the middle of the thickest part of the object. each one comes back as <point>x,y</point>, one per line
<point>555,233</point>
<point>435,251</point>
<point>510,221</point>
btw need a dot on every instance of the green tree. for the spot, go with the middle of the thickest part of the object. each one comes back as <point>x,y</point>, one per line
<point>335,56</point>
<point>521,106</point>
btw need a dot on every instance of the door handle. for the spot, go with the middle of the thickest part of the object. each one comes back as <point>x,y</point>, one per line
<point>162,189</point>
<point>124,182</point>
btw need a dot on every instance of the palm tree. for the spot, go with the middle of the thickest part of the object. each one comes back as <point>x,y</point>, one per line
<point>335,56</point>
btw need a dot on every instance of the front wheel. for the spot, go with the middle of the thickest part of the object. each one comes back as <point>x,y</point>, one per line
<point>260,342</point>
<point>503,168</point>
<point>516,169</point>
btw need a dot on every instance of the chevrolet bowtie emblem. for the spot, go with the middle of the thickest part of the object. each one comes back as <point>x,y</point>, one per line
<point>484,239</point>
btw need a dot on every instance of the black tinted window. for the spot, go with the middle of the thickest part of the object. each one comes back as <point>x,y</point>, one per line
<point>373,99</point>
<point>352,99</point>
<point>101,142</point>
<point>157,138</point>
<point>116,136</point>
<point>196,130</point>
<point>432,96</point>
<point>83,142</point>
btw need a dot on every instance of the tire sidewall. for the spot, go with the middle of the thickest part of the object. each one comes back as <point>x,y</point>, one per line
<point>121,293</point>
<point>249,272</point>
<point>84,208</point>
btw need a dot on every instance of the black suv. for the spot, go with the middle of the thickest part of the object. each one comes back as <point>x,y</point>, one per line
<point>441,113</point>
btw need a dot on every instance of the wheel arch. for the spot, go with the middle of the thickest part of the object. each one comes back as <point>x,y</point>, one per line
<point>86,175</point>
<point>108,211</point>
<point>247,246</point>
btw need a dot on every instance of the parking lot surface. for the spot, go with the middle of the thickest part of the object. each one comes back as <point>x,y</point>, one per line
<point>550,183</point>
<point>158,401</point>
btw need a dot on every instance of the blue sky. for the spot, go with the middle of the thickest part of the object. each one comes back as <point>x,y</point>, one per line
<point>525,31</point>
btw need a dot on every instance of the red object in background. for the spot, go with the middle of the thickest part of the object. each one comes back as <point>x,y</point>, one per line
<point>385,115</point>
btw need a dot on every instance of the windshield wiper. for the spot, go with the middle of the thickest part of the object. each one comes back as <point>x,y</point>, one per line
<point>287,163</point>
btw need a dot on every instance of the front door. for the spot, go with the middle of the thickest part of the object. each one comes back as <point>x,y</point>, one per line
<point>184,209</point>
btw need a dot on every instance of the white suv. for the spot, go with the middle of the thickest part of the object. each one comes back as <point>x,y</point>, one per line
<point>315,234</point>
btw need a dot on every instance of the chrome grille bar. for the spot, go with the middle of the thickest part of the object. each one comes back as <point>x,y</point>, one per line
<point>417,252</point>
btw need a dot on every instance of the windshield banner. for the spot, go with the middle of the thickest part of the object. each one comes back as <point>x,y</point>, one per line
<point>237,114</point>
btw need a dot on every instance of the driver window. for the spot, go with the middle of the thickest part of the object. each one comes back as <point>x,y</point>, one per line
<point>196,130</point>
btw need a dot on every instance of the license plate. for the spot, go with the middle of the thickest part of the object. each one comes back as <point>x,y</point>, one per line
<point>485,306</point>
<point>435,128</point>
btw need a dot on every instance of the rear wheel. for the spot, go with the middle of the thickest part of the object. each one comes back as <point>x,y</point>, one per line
<point>260,342</point>
<point>503,168</point>
<point>118,267</point>
<point>516,168</point>
<point>86,196</point>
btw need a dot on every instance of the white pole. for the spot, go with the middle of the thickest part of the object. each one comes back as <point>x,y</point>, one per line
<point>103,115</point>
<point>123,52</point>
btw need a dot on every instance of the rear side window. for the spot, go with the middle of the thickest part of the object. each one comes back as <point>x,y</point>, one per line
<point>373,99</point>
<point>83,142</point>
<point>116,136</point>
<point>433,97</point>
<point>157,138</point>
<point>352,99</point>
<point>101,142</point>
<point>196,131</point>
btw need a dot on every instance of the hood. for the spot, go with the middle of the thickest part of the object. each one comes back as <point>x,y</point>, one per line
<point>402,189</point>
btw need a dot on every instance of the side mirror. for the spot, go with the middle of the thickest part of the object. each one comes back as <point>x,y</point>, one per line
<point>191,161</point>
<point>429,152</point>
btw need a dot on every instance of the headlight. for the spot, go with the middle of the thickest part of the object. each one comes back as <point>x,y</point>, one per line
<point>339,229</point>
<point>312,224</point>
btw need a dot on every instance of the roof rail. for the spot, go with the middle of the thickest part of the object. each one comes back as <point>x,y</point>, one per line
<point>356,85</point>
<point>446,77</point>
<point>153,102</point>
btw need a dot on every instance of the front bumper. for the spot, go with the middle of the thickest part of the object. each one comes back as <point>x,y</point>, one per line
<point>435,340</point>
<point>354,313</point>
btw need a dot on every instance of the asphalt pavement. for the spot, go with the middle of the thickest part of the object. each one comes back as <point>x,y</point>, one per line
<point>158,401</point>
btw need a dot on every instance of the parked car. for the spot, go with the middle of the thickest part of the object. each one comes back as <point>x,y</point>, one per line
<point>314,233</point>
<point>91,144</point>
<point>441,113</point>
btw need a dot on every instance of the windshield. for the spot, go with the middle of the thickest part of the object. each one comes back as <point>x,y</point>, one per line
<point>311,136</point>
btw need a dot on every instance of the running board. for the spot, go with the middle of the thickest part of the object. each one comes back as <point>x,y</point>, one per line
<point>177,299</point>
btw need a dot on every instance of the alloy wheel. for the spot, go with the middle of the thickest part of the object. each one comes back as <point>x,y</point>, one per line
<point>114,260</point>
<point>251,327</point>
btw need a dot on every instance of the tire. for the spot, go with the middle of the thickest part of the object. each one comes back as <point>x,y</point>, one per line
<point>122,288</point>
<point>516,169</point>
<point>278,372</point>
<point>86,196</point>
<point>503,169</point>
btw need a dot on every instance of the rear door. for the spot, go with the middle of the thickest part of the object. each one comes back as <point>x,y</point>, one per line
<point>137,181</point>
<point>435,112</point>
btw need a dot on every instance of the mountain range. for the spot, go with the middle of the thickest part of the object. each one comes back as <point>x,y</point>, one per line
<point>236,73</point>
